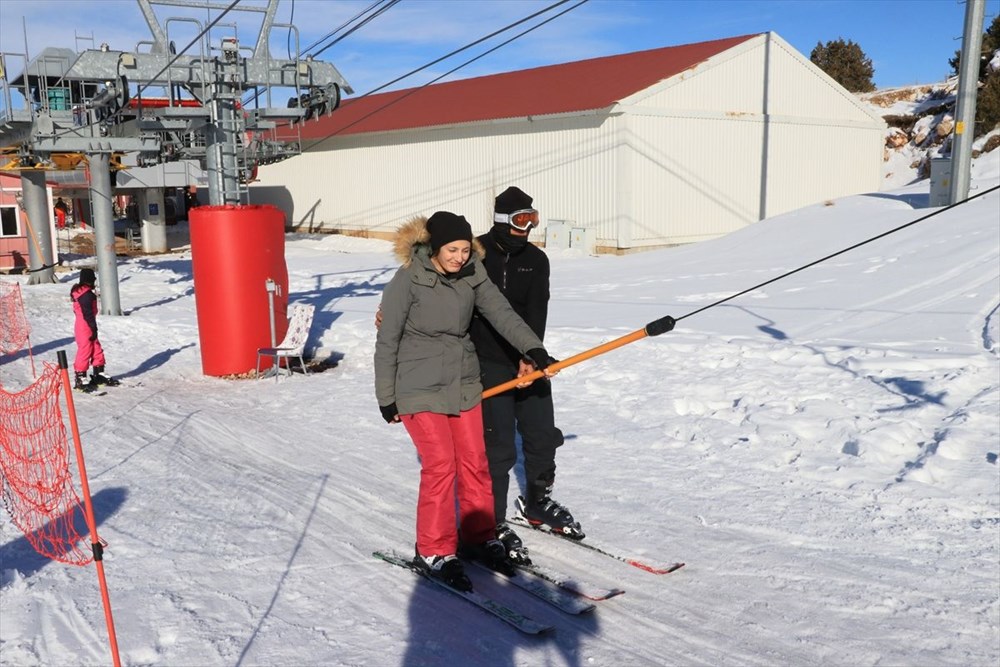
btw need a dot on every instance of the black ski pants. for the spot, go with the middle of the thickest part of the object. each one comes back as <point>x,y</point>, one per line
<point>530,412</point>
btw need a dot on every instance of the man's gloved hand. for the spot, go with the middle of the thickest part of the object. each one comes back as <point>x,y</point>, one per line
<point>389,413</point>
<point>540,358</point>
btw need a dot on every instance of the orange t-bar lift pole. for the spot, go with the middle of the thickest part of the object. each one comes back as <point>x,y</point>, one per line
<point>654,328</point>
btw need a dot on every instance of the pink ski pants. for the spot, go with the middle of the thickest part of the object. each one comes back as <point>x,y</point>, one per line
<point>87,352</point>
<point>452,464</point>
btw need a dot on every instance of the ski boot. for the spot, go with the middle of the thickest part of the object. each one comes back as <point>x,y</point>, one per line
<point>82,386</point>
<point>546,514</point>
<point>98,378</point>
<point>447,569</point>
<point>516,551</point>
<point>492,554</point>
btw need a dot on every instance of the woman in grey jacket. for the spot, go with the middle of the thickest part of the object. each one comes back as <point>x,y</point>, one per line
<point>427,377</point>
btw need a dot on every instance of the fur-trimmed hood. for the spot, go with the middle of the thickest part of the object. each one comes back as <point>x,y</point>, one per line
<point>413,238</point>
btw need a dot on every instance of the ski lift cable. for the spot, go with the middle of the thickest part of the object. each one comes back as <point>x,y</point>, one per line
<point>455,69</point>
<point>471,44</point>
<point>456,51</point>
<point>364,22</point>
<point>666,323</point>
<point>839,252</point>
<point>254,95</point>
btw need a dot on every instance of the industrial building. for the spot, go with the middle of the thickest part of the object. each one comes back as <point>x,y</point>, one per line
<point>646,149</point>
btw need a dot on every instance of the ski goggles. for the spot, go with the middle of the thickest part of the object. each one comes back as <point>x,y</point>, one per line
<point>522,220</point>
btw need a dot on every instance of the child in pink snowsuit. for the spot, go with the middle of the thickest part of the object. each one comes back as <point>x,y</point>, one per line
<point>88,348</point>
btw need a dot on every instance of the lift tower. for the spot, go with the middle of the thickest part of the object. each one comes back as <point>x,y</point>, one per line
<point>96,108</point>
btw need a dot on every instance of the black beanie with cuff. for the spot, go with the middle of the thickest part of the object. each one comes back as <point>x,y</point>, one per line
<point>510,200</point>
<point>445,227</point>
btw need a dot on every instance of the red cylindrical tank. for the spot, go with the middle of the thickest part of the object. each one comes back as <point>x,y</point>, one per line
<point>234,251</point>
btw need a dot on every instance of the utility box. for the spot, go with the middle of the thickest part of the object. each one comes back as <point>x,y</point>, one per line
<point>940,181</point>
<point>583,238</point>
<point>557,233</point>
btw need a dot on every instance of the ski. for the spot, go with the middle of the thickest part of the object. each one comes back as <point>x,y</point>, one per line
<point>510,616</point>
<point>543,590</point>
<point>654,568</point>
<point>574,585</point>
<point>90,392</point>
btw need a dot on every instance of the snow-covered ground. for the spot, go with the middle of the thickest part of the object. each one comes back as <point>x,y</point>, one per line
<point>822,453</point>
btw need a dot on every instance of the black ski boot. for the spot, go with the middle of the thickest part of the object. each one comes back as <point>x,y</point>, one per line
<point>542,512</point>
<point>99,378</point>
<point>492,554</point>
<point>516,551</point>
<point>447,569</point>
<point>81,385</point>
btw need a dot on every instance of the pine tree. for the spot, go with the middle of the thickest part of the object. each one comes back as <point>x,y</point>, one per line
<point>991,42</point>
<point>988,95</point>
<point>988,105</point>
<point>846,63</point>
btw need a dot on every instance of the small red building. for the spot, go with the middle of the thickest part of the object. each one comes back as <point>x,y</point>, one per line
<point>13,230</point>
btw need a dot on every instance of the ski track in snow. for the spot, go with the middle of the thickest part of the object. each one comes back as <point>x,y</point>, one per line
<point>822,456</point>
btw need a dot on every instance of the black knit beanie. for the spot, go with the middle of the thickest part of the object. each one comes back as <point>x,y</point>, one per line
<point>445,227</point>
<point>87,277</point>
<point>510,200</point>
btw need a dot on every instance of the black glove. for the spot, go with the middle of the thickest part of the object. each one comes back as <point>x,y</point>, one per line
<point>389,412</point>
<point>93,336</point>
<point>540,358</point>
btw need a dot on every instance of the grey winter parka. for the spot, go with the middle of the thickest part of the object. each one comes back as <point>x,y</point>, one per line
<point>424,359</point>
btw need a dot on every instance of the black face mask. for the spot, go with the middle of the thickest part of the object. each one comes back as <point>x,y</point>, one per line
<point>509,243</point>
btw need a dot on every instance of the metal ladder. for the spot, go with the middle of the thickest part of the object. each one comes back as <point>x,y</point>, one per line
<point>232,125</point>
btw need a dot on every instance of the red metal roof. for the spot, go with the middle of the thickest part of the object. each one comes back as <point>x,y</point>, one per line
<point>583,85</point>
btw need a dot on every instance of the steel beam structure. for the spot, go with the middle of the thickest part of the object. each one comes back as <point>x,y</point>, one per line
<point>97,104</point>
<point>104,232</point>
<point>36,206</point>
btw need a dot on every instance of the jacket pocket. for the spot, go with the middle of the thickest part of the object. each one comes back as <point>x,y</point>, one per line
<point>419,371</point>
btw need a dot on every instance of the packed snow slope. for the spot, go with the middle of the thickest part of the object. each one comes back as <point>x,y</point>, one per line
<point>821,452</point>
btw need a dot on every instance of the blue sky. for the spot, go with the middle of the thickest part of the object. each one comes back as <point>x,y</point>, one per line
<point>909,41</point>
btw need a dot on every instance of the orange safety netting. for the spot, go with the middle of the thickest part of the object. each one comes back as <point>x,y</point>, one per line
<point>14,329</point>
<point>37,487</point>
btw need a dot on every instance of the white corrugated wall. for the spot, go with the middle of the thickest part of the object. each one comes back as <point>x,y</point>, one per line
<point>821,145</point>
<point>374,182</point>
<point>692,177</point>
<point>703,141</point>
<point>810,163</point>
<point>729,83</point>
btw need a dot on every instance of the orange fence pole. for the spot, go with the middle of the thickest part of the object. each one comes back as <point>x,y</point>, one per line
<point>654,328</point>
<point>95,542</point>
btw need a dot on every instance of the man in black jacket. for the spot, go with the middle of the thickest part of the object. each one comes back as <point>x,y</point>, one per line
<point>521,271</point>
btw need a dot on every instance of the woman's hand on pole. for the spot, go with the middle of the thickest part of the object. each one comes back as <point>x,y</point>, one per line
<point>541,360</point>
<point>524,368</point>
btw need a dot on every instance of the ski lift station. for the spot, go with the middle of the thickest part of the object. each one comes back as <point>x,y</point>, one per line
<point>646,149</point>
<point>106,122</point>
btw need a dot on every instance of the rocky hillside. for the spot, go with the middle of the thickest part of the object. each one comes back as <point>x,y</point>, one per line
<point>920,120</point>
